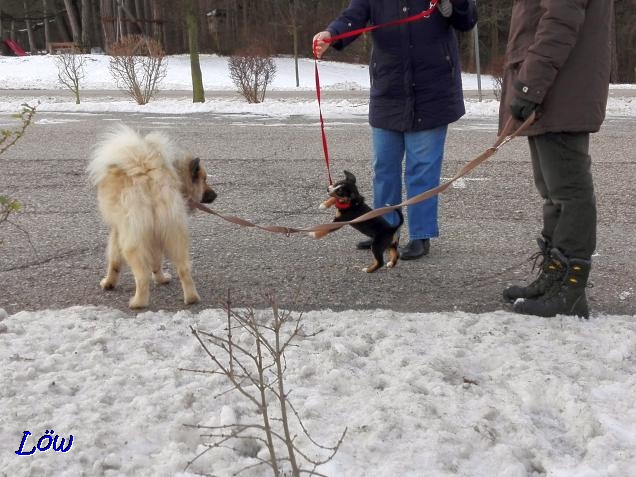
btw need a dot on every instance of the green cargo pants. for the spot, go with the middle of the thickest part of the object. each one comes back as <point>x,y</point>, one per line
<point>562,174</point>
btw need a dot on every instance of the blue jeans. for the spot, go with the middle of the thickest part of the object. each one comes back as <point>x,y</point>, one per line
<point>423,151</point>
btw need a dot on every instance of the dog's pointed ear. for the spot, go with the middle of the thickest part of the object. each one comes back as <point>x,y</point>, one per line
<point>195,167</point>
<point>350,177</point>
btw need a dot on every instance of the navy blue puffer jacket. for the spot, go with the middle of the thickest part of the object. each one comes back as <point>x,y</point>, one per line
<point>415,74</point>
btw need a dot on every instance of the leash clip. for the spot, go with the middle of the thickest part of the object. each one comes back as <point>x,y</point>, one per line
<point>431,6</point>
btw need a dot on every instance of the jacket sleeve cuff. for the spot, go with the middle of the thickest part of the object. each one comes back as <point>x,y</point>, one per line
<point>461,8</point>
<point>528,93</point>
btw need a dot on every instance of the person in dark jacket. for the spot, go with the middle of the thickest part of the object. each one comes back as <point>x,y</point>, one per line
<point>558,65</point>
<point>416,91</point>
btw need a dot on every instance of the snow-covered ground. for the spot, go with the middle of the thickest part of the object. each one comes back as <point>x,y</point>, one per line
<point>426,395</point>
<point>40,72</point>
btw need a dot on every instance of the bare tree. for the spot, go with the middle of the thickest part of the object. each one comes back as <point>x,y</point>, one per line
<point>70,71</point>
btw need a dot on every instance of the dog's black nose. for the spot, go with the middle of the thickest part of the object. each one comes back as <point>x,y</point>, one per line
<point>208,196</point>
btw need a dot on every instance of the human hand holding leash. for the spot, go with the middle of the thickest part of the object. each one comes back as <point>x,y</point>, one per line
<point>319,43</point>
<point>522,108</point>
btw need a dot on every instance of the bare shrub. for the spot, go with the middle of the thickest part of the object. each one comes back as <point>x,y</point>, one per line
<point>254,364</point>
<point>70,71</point>
<point>497,70</point>
<point>138,65</point>
<point>8,137</point>
<point>252,70</point>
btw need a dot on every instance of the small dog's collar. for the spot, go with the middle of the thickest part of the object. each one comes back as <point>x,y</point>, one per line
<point>342,205</point>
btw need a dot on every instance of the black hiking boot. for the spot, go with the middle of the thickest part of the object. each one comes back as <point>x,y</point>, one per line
<point>415,249</point>
<point>548,273</point>
<point>566,296</point>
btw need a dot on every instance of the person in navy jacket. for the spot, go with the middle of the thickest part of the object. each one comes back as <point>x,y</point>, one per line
<point>416,91</point>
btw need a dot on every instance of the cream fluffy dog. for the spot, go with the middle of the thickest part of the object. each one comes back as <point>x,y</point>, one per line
<point>144,186</point>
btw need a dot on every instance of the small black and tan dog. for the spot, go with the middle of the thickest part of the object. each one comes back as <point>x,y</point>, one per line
<point>350,205</point>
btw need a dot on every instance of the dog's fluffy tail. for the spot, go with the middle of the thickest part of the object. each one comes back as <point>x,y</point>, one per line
<point>138,187</point>
<point>125,149</point>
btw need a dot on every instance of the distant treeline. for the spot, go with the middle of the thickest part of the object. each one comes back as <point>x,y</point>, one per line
<point>277,26</point>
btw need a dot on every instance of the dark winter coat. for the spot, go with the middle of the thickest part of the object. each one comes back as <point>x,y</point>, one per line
<point>558,55</point>
<point>414,70</point>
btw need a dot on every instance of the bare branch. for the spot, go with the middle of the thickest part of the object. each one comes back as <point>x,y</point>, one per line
<point>7,137</point>
<point>262,365</point>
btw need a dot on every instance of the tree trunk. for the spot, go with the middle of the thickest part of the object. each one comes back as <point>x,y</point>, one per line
<point>72,20</point>
<point>244,27</point>
<point>60,23</point>
<point>108,23</point>
<point>192,22</point>
<point>294,25</point>
<point>147,17</point>
<point>471,63</point>
<point>96,37</point>
<point>157,27</point>
<point>494,35</point>
<point>32,46</point>
<point>141,18</point>
<point>85,16</point>
<point>47,26</point>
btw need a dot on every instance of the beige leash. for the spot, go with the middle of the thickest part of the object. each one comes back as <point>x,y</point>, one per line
<point>505,137</point>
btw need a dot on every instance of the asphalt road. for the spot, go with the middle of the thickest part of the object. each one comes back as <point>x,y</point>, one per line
<point>272,171</point>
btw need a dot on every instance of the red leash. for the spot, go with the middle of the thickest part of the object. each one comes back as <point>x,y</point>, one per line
<point>425,14</point>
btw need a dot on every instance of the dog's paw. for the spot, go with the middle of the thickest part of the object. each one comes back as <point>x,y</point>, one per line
<point>106,284</point>
<point>162,278</point>
<point>322,206</point>
<point>390,265</point>
<point>192,298</point>
<point>312,234</point>
<point>136,303</point>
<point>372,268</point>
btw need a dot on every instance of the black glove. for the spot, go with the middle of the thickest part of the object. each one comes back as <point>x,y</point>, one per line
<point>521,108</point>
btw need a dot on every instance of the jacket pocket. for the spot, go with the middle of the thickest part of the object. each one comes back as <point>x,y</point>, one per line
<point>384,75</point>
<point>448,57</point>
